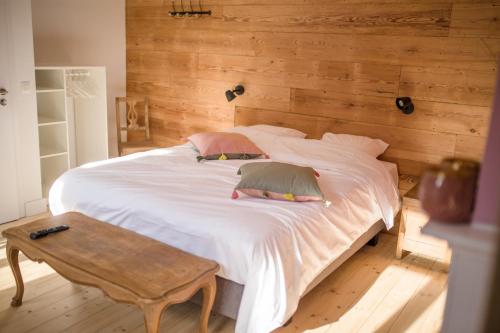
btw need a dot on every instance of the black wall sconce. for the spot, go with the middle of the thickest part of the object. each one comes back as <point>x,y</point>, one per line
<point>405,105</point>
<point>231,94</point>
<point>191,12</point>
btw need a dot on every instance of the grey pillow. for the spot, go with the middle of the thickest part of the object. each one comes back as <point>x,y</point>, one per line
<point>279,181</point>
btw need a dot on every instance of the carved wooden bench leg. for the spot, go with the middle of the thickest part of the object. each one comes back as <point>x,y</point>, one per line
<point>209,291</point>
<point>13,259</point>
<point>152,316</point>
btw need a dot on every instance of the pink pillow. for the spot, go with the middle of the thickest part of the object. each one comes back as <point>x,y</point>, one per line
<point>224,146</point>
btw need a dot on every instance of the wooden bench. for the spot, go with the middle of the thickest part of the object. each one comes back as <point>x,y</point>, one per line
<point>128,267</point>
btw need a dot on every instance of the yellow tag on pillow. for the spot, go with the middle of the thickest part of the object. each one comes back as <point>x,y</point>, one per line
<point>222,157</point>
<point>289,196</point>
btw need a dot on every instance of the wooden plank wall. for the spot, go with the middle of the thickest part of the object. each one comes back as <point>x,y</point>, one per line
<point>335,64</point>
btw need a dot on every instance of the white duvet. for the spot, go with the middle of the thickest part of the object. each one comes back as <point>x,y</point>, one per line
<point>274,248</point>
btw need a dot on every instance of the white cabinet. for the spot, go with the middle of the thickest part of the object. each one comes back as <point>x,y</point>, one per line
<point>72,119</point>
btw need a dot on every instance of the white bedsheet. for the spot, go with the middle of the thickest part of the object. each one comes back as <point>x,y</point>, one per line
<point>274,248</point>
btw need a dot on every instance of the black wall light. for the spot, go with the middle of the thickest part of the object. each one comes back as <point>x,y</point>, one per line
<point>405,105</point>
<point>231,94</point>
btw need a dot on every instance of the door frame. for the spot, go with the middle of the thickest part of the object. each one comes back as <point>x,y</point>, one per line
<point>9,195</point>
<point>22,99</point>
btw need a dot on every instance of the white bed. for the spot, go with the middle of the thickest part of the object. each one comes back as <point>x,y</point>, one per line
<point>276,249</point>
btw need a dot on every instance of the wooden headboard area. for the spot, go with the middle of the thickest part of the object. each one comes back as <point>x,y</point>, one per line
<point>322,66</point>
<point>413,151</point>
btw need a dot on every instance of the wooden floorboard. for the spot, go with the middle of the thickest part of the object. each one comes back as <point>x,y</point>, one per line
<point>372,292</point>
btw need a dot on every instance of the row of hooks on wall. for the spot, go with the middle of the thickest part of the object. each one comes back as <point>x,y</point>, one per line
<point>182,11</point>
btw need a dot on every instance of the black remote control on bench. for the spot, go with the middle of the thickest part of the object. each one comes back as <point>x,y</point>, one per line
<point>45,232</point>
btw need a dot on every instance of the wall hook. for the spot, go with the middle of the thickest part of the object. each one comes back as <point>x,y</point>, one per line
<point>172,13</point>
<point>184,12</point>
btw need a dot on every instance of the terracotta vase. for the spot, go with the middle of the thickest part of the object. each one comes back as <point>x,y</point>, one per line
<point>447,192</point>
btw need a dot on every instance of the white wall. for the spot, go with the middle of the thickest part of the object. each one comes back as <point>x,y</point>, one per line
<point>84,33</point>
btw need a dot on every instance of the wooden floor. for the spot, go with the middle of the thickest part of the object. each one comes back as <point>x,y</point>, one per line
<point>371,292</point>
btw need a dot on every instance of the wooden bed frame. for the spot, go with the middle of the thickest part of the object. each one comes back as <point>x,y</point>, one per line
<point>229,293</point>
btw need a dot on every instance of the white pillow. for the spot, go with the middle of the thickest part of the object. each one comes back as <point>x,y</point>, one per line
<point>279,131</point>
<point>373,147</point>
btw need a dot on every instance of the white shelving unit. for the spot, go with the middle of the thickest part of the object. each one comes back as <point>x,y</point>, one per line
<point>72,119</point>
<point>52,124</point>
<point>53,140</point>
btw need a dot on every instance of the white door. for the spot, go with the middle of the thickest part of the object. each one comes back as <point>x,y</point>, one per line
<point>9,204</point>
